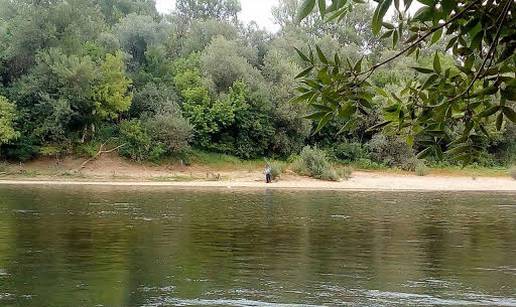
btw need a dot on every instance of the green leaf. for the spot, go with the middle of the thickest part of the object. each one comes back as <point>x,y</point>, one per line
<point>489,112</point>
<point>321,55</point>
<point>510,114</point>
<point>306,8</point>
<point>304,72</point>
<point>378,126</point>
<point>303,98</point>
<point>423,70</point>
<point>476,41</point>
<point>387,34</point>
<point>424,152</point>
<point>462,148</point>
<point>316,115</point>
<point>358,66</point>
<point>499,121</point>
<point>388,25</point>
<point>424,14</point>
<point>437,63</point>
<point>395,38</point>
<point>322,107</point>
<point>379,13</point>
<point>436,36</point>
<point>302,55</point>
<point>323,122</point>
<point>429,81</point>
<point>322,7</point>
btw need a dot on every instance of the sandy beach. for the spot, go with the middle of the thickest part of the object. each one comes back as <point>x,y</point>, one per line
<point>359,181</point>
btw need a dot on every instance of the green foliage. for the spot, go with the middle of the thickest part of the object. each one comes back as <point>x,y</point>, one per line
<point>349,151</point>
<point>170,130</point>
<point>421,169</point>
<point>512,172</point>
<point>152,99</point>
<point>139,143</point>
<point>444,106</point>
<point>392,151</point>
<point>224,62</point>
<point>277,168</point>
<point>7,118</point>
<point>345,172</point>
<point>314,162</point>
<point>208,9</point>
<point>78,73</point>
<point>110,95</point>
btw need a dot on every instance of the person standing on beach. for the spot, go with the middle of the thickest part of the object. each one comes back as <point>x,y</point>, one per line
<point>268,173</point>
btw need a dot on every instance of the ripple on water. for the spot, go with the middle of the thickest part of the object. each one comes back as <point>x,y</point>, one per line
<point>426,299</point>
<point>218,302</point>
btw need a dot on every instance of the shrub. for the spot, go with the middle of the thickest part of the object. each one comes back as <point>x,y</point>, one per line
<point>138,141</point>
<point>345,172</point>
<point>368,164</point>
<point>171,130</point>
<point>88,149</point>
<point>392,151</point>
<point>512,172</point>
<point>314,162</point>
<point>277,168</point>
<point>329,174</point>
<point>4,167</point>
<point>349,152</point>
<point>421,169</point>
<point>410,164</point>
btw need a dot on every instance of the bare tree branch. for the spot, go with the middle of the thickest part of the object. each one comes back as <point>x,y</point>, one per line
<point>99,153</point>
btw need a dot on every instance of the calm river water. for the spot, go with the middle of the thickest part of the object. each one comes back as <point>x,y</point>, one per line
<point>94,246</point>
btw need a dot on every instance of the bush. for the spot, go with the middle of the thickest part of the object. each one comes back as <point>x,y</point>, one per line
<point>411,164</point>
<point>4,167</point>
<point>138,141</point>
<point>392,151</point>
<point>512,172</point>
<point>314,162</point>
<point>345,172</point>
<point>277,168</point>
<point>171,130</point>
<point>329,174</point>
<point>88,149</point>
<point>349,152</point>
<point>368,164</point>
<point>421,169</point>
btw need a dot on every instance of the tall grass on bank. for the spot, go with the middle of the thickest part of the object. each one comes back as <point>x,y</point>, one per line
<point>314,162</point>
<point>512,172</point>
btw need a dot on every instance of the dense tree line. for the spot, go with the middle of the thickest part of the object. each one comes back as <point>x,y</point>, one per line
<point>77,73</point>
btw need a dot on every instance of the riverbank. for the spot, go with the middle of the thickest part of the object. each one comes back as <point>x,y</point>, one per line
<point>113,171</point>
<point>361,181</point>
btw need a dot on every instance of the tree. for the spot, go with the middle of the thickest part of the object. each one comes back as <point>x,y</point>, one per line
<point>226,10</point>
<point>202,32</point>
<point>7,118</point>
<point>136,33</point>
<point>224,62</point>
<point>439,100</point>
<point>110,95</point>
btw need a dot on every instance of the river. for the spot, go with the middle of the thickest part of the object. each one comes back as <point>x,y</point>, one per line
<point>131,246</point>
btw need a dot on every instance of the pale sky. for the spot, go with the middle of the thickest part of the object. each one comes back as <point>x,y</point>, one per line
<point>257,10</point>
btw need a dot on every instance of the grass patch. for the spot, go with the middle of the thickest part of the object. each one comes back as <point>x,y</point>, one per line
<point>421,169</point>
<point>314,162</point>
<point>512,172</point>
<point>223,161</point>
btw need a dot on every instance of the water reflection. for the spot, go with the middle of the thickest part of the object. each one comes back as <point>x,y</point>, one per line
<point>159,247</point>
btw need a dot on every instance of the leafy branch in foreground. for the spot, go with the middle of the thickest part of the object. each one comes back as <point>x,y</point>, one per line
<point>446,109</point>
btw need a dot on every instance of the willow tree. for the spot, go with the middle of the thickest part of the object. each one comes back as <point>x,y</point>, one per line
<point>477,92</point>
